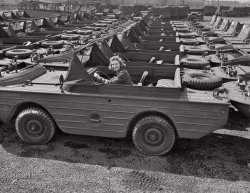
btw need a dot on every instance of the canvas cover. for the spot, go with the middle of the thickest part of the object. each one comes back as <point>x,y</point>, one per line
<point>64,18</point>
<point>3,33</point>
<point>57,21</point>
<point>38,22</point>
<point>223,25</point>
<point>46,24</point>
<point>77,76</point>
<point>11,32</point>
<point>34,27</point>
<point>139,30</point>
<point>214,18</point>
<point>244,33</point>
<point>86,15</point>
<point>231,30</point>
<point>25,14</point>
<point>134,38</point>
<point>51,23</point>
<point>143,25</point>
<point>244,59</point>
<point>115,45</point>
<point>106,49</point>
<point>96,57</point>
<point>19,26</point>
<point>42,23</point>
<point>127,44</point>
<point>79,16</point>
<point>73,17</point>
<point>9,15</point>
<point>146,20</point>
<point>77,71</point>
<point>218,22</point>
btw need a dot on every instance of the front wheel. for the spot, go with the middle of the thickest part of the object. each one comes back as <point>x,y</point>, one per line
<point>153,135</point>
<point>35,126</point>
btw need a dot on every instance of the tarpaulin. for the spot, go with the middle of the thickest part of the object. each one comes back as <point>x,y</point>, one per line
<point>96,58</point>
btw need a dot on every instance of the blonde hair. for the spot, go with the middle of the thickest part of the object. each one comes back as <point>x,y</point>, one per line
<point>117,58</point>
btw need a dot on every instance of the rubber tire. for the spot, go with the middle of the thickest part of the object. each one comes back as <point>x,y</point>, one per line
<point>186,35</point>
<point>1,135</point>
<point>85,32</point>
<point>40,116</point>
<point>21,53</point>
<point>188,41</point>
<point>166,128</point>
<point>209,82</point>
<point>70,37</point>
<point>194,62</point>
<point>196,50</point>
<point>182,30</point>
<point>55,44</point>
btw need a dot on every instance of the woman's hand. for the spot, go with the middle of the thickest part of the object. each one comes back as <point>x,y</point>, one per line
<point>96,75</point>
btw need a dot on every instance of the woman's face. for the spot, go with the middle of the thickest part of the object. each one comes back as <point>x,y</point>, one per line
<point>115,65</point>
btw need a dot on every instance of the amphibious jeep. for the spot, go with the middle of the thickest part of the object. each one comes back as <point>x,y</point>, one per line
<point>156,113</point>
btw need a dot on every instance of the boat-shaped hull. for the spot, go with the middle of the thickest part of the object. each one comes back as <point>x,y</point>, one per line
<point>28,73</point>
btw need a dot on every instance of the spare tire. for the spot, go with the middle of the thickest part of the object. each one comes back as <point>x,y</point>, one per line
<point>182,29</point>
<point>70,37</point>
<point>55,44</point>
<point>21,53</point>
<point>196,49</point>
<point>195,62</point>
<point>188,35</point>
<point>187,41</point>
<point>84,32</point>
<point>70,31</point>
<point>199,26</point>
<point>202,81</point>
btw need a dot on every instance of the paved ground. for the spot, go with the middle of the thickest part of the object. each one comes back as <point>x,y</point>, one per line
<point>219,162</point>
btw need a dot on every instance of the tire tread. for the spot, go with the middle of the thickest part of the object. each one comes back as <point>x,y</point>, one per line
<point>161,120</point>
<point>40,112</point>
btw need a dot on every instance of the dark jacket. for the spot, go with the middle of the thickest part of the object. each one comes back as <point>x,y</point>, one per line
<point>122,77</point>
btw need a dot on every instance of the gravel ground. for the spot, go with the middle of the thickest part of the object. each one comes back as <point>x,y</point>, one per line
<point>219,162</point>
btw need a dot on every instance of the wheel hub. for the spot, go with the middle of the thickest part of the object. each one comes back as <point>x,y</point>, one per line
<point>153,136</point>
<point>35,127</point>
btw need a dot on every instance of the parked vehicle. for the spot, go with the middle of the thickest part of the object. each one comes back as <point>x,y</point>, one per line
<point>156,113</point>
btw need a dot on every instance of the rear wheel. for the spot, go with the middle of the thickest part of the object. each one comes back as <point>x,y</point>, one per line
<point>1,135</point>
<point>35,126</point>
<point>153,135</point>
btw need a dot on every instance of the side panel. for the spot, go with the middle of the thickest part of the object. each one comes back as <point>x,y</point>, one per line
<point>110,116</point>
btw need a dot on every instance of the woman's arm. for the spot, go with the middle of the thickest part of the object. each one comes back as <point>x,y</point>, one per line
<point>119,79</point>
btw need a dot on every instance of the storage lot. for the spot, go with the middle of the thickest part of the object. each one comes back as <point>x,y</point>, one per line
<point>219,162</point>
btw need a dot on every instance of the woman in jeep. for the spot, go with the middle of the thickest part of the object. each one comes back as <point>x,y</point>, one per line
<point>122,75</point>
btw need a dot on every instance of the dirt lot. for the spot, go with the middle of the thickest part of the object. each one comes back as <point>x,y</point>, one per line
<point>219,162</point>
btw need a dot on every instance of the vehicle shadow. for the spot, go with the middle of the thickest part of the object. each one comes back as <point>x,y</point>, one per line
<point>220,156</point>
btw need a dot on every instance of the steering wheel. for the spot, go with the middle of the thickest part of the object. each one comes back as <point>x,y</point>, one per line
<point>102,74</point>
